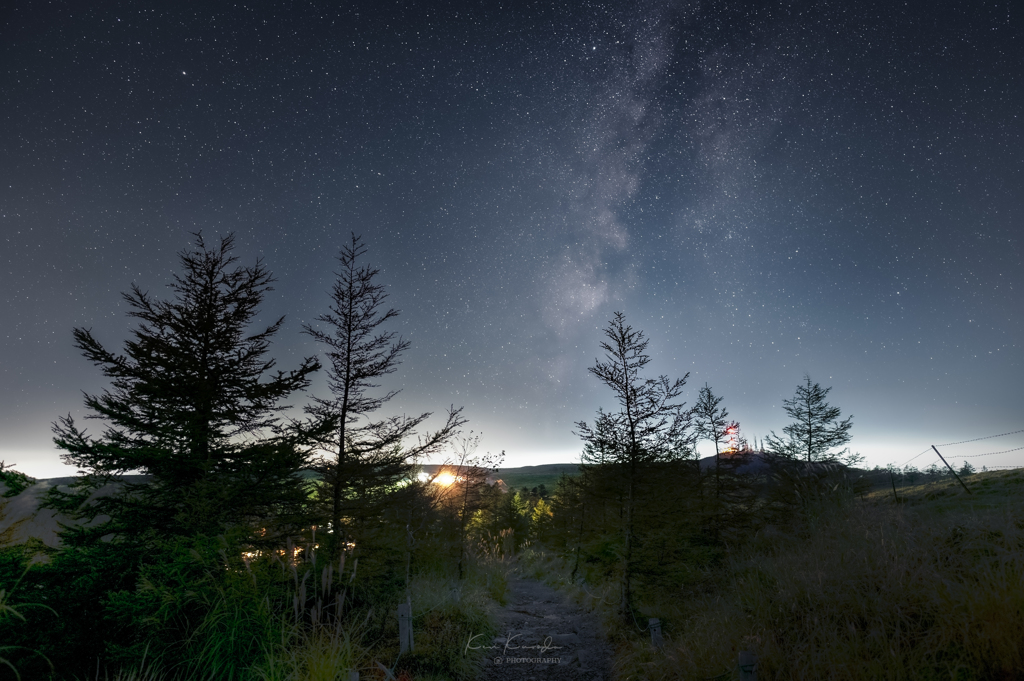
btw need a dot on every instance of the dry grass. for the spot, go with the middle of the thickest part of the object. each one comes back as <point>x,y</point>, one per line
<point>931,588</point>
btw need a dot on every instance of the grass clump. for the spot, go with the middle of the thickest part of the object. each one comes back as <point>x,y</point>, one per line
<point>313,654</point>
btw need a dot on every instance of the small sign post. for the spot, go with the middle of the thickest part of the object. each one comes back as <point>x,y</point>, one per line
<point>654,624</point>
<point>405,628</point>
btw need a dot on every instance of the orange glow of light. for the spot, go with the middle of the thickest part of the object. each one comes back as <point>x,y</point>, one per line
<point>444,479</point>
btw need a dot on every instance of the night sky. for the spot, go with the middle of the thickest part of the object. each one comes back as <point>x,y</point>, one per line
<point>765,189</point>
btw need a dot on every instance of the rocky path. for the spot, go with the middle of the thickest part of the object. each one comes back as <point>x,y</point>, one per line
<point>544,636</point>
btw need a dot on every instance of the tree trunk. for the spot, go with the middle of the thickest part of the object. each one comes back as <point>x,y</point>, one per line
<point>627,566</point>
<point>336,549</point>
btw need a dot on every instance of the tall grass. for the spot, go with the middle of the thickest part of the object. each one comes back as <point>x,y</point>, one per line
<point>493,559</point>
<point>8,611</point>
<point>320,644</point>
<point>857,591</point>
<point>317,653</point>
<point>203,609</point>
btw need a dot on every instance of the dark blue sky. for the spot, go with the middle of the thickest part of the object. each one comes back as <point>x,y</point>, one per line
<point>766,189</point>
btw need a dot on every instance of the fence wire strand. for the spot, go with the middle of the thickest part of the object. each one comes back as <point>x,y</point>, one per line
<point>914,457</point>
<point>972,456</point>
<point>987,437</point>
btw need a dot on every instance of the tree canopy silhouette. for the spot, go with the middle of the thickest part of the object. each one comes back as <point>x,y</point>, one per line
<point>194,405</point>
<point>650,427</point>
<point>367,458</point>
<point>816,428</point>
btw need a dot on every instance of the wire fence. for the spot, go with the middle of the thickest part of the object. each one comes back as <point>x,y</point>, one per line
<point>944,463</point>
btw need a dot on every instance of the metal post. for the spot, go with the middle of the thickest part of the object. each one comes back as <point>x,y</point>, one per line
<point>952,471</point>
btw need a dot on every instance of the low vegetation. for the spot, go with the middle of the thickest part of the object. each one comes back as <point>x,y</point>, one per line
<point>206,608</point>
<point>850,586</point>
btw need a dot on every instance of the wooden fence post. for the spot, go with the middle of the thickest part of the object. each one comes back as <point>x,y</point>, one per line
<point>748,666</point>
<point>952,471</point>
<point>405,627</point>
<point>654,624</point>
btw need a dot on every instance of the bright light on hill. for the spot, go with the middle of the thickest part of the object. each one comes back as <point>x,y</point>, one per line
<point>444,479</point>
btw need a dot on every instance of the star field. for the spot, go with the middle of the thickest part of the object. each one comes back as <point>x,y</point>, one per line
<point>766,189</point>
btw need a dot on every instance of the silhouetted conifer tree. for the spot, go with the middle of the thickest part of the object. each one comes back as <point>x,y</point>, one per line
<point>816,428</point>
<point>711,424</point>
<point>647,429</point>
<point>368,458</point>
<point>193,405</point>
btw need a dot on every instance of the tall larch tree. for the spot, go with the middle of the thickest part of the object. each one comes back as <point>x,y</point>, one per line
<point>365,458</point>
<point>647,428</point>
<point>815,429</point>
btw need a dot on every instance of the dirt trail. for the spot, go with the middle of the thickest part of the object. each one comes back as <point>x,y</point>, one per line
<point>545,636</point>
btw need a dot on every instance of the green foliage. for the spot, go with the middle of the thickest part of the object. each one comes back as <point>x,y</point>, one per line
<point>827,580</point>
<point>189,570</point>
<point>313,653</point>
<point>466,503</point>
<point>200,608</point>
<point>512,513</point>
<point>193,405</point>
<point>444,619</point>
<point>541,519</point>
<point>927,590</point>
<point>73,583</point>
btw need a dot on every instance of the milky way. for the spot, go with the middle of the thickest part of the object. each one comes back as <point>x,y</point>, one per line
<point>766,189</point>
